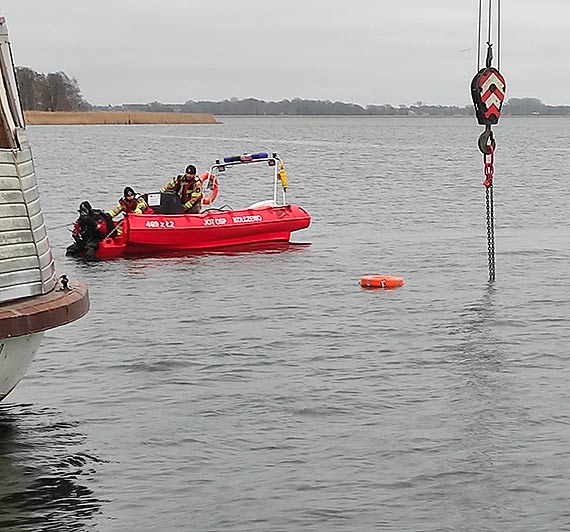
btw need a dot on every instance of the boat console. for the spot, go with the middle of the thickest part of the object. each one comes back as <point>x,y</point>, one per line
<point>164,202</point>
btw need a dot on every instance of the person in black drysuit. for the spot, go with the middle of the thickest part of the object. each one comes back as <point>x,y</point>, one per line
<point>90,228</point>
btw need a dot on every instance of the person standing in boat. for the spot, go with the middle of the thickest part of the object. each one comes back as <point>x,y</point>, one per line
<point>130,202</point>
<point>189,187</point>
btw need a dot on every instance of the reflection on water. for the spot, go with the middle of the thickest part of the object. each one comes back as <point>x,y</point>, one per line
<point>44,472</point>
<point>261,248</point>
<point>487,408</point>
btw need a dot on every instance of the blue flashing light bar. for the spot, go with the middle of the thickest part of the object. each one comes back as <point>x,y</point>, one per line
<point>246,157</point>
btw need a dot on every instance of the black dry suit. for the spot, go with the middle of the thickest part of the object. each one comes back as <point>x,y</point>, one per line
<point>92,226</point>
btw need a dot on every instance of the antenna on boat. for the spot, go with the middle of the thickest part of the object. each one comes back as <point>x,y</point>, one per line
<point>488,93</point>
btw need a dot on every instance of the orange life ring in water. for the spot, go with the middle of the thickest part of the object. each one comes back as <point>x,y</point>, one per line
<point>210,184</point>
<point>381,281</point>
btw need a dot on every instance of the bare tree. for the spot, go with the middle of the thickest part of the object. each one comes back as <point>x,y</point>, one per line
<point>51,92</point>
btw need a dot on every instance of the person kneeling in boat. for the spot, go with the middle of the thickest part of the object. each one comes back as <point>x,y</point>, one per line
<point>189,187</point>
<point>130,202</point>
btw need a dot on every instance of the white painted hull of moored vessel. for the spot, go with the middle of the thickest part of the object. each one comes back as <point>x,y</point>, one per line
<point>16,355</point>
<point>30,303</point>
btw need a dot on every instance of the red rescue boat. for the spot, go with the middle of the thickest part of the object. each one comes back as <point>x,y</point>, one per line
<point>166,231</point>
<point>151,234</point>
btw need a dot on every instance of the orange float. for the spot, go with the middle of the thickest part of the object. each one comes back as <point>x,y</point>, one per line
<point>381,281</point>
<point>210,184</point>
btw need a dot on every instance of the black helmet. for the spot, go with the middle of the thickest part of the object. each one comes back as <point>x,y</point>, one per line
<point>128,192</point>
<point>191,169</point>
<point>85,208</point>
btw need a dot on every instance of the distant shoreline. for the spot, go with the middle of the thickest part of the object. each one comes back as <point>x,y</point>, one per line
<point>49,118</point>
<point>45,118</point>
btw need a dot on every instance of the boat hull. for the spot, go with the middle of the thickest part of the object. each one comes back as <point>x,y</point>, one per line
<point>156,234</point>
<point>16,356</point>
<point>22,326</point>
<point>31,298</point>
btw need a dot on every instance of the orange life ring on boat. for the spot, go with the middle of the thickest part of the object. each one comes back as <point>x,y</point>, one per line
<point>209,183</point>
<point>381,281</point>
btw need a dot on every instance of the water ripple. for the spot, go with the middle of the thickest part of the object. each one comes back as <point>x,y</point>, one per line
<point>263,389</point>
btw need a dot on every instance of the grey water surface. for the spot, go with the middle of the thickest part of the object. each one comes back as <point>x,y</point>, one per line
<point>264,390</point>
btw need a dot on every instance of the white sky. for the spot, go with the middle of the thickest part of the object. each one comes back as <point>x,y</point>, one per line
<point>363,51</point>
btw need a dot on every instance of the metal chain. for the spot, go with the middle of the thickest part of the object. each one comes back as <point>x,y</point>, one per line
<point>490,232</point>
<point>489,160</point>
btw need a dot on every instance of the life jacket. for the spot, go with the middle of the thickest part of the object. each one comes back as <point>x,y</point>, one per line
<point>129,205</point>
<point>103,223</point>
<point>184,189</point>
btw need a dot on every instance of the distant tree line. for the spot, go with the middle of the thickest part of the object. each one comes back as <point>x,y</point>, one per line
<point>297,106</point>
<point>58,92</point>
<point>49,92</point>
<point>533,106</point>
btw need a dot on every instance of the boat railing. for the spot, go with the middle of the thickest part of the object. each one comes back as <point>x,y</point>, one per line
<point>272,160</point>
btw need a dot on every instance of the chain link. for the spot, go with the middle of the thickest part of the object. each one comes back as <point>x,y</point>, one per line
<point>489,160</point>
<point>490,231</point>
